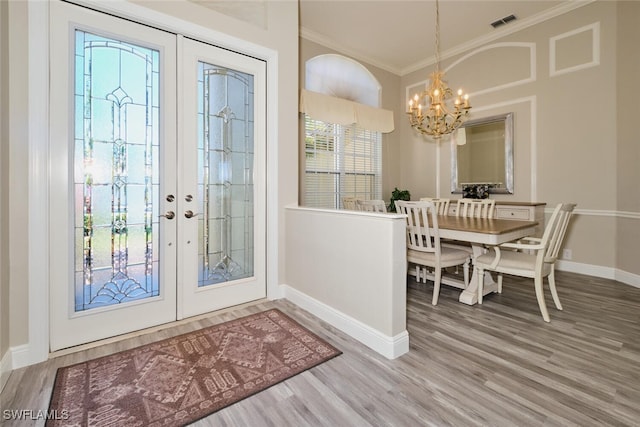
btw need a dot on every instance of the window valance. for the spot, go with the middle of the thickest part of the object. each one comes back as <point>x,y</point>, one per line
<point>344,112</point>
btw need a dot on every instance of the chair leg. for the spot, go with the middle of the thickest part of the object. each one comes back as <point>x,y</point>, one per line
<point>424,274</point>
<point>480,274</point>
<point>418,273</point>
<point>540,296</point>
<point>436,285</point>
<point>554,292</point>
<point>499,283</point>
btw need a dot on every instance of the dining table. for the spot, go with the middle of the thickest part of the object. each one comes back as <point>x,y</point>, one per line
<point>481,233</point>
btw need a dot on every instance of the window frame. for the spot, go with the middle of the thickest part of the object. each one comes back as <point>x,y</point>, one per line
<point>366,161</point>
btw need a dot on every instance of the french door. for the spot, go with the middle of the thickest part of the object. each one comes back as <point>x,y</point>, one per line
<point>223,232</point>
<point>157,177</point>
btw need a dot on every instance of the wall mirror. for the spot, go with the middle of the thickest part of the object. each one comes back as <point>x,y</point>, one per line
<point>482,155</point>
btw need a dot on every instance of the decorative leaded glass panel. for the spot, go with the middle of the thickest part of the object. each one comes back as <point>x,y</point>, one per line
<point>115,171</point>
<point>225,174</point>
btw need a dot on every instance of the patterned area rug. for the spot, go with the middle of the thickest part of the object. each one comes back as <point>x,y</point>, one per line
<point>179,380</point>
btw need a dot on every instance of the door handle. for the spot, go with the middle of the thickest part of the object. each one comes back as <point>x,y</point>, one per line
<point>169,215</point>
<point>190,214</point>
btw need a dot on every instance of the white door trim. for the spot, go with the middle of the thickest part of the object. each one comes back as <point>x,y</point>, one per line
<point>38,158</point>
<point>38,155</point>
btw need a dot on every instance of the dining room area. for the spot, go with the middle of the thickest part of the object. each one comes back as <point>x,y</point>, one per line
<point>458,249</point>
<point>517,146</point>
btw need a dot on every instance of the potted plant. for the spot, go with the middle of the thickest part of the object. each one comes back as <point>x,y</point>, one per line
<point>398,195</point>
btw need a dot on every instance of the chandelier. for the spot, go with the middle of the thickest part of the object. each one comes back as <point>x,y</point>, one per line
<point>439,117</point>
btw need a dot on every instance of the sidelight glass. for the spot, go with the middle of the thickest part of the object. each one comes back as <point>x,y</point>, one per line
<point>116,161</point>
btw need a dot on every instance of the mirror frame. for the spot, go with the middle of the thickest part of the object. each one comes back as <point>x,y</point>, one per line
<point>508,153</point>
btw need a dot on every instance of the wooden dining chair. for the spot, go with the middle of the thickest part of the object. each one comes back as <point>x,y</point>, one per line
<point>442,205</point>
<point>537,262</point>
<point>472,208</point>
<point>423,244</point>
<point>350,203</point>
<point>372,205</point>
<point>475,208</point>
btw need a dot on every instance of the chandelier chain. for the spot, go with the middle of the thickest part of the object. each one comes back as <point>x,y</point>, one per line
<point>437,36</point>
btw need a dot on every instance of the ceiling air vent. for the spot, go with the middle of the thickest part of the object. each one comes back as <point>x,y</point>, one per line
<point>503,21</point>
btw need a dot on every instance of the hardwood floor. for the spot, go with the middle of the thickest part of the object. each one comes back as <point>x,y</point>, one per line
<point>498,364</point>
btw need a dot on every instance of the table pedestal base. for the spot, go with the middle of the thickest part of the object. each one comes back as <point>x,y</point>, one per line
<point>470,295</point>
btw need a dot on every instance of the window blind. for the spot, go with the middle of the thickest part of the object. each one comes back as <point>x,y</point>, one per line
<point>341,161</point>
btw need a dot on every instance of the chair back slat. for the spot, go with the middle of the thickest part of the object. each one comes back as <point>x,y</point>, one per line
<point>422,225</point>
<point>442,205</point>
<point>555,231</point>
<point>372,205</point>
<point>350,203</point>
<point>475,208</point>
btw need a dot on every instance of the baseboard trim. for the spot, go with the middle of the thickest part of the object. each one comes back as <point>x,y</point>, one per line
<point>21,356</point>
<point>5,369</point>
<point>15,358</point>
<point>628,278</point>
<point>599,271</point>
<point>390,347</point>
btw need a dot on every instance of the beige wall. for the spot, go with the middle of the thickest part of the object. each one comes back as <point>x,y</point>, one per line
<point>390,87</point>
<point>14,190</point>
<point>628,155</point>
<point>4,177</point>
<point>568,145</point>
<point>278,32</point>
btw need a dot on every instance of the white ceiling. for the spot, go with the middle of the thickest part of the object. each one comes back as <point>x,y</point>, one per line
<point>399,35</point>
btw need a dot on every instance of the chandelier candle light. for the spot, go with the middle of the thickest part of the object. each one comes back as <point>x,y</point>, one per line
<point>439,119</point>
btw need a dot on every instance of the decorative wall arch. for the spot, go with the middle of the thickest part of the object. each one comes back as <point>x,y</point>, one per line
<point>342,77</point>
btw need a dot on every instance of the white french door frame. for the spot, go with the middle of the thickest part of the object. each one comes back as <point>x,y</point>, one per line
<point>36,350</point>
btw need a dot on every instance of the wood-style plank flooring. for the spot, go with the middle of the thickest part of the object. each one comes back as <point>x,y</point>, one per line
<point>498,364</point>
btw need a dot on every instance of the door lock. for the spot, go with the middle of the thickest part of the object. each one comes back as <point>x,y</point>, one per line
<point>190,214</point>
